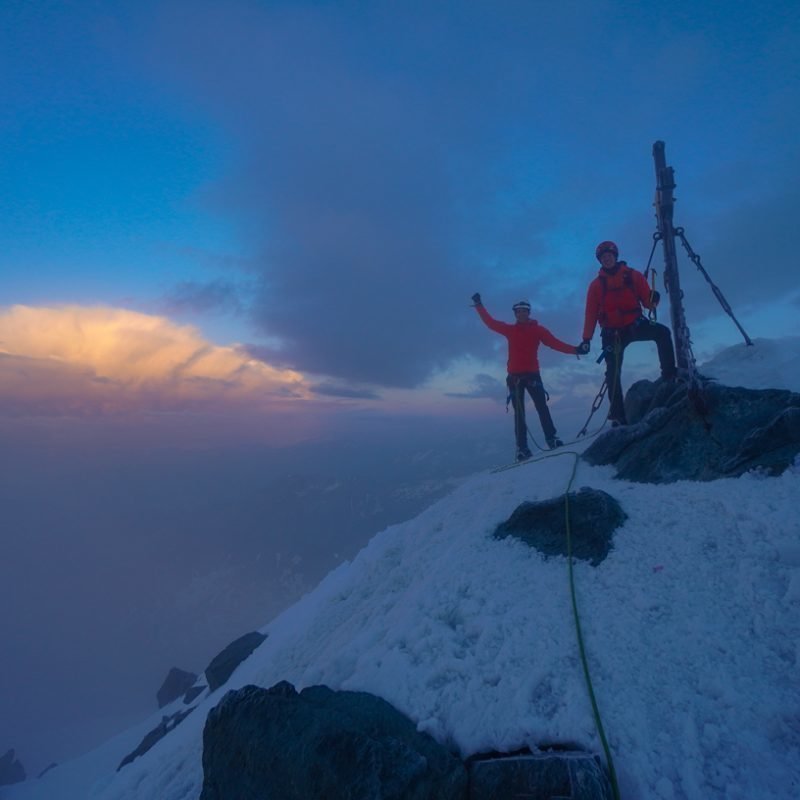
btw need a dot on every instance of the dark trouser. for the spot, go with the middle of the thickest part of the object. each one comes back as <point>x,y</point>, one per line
<point>517,383</point>
<point>615,340</point>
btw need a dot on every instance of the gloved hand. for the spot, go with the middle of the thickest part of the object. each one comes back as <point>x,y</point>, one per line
<point>476,298</point>
<point>583,348</point>
<point>656,297</point>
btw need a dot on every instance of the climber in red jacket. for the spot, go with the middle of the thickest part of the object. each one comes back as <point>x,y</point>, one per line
<point>524,338</point>
<point>615,300</point>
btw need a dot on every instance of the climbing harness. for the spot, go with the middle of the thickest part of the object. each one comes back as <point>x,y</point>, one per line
<point>517,382</point>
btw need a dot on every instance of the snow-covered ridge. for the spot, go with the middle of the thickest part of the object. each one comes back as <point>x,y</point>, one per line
<point>768,364</point>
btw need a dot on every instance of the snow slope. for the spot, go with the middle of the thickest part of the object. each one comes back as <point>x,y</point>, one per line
<point>691,627</point>
<point>768,364</point>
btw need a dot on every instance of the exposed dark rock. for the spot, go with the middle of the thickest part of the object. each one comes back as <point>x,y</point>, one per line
<point>276,743</point>
<point>177,682</point>
<point>721,432</point>
<point>156,735</point>
<point>564,775</point>
<point>11,769</point>
<point>47,769</point>
<point>225,662</point>
<point>593,515</point>
<point>774,446</point>
<point>193,692</point>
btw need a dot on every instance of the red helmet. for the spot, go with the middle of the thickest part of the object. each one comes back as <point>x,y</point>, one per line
<point>606,247</point>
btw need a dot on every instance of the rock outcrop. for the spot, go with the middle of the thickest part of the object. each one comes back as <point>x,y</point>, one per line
<point>193,692</point>
<point>321,744</point>
<point>594,516</point>
<point>51,765</point>
<point>11,769</point>
<point>719,432</point>
<point>156,735</point>
<point>225,662</point>
<point>177,683</point>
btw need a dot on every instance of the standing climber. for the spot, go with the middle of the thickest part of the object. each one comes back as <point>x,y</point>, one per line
<point>524,338</point>
<point>615,299</point>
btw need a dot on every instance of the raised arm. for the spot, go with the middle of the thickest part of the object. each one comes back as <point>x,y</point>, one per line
<point>489,320</point>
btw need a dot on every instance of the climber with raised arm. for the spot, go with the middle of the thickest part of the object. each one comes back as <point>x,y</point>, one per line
<point>524,337</point>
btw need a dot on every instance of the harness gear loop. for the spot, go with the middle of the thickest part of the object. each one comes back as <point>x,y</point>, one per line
<point>517,381</point>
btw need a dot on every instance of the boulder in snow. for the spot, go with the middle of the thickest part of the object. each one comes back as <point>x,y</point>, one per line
<point>193,692</point>
<point>593,516</point>
<point>51,765</point>
<point>721,432</point>
<point>11,769</point>
<point>321,744</point>
<point>177,682</point>
<point>225,662</point>
<point>156,735</point>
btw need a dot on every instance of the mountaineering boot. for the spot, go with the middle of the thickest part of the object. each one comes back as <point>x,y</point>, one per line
<point>523,454</point>
<point>553,442</point>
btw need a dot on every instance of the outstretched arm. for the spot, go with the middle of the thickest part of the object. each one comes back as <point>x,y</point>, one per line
<point>554,343</point>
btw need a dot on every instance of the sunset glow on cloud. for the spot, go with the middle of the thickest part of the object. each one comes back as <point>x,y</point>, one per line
<point>87,360</point>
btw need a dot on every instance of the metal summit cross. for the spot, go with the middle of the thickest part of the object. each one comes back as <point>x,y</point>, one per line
<point>666,232</point>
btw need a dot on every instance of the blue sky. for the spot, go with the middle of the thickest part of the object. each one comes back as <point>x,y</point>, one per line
<point>102,167</point>
<point>369,165</point>
<point>257,225</point>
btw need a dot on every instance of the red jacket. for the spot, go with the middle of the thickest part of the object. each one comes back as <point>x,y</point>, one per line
<point>523,341</point>
<point>615,299</point>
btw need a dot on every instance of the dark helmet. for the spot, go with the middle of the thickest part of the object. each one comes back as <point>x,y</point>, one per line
<point>523,304</point>
<point>606,247</point>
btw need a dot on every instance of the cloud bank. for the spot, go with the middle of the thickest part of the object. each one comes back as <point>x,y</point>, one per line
<point>79,361</point>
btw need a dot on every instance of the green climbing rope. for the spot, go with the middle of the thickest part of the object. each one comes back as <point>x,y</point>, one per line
<point>582,650</point>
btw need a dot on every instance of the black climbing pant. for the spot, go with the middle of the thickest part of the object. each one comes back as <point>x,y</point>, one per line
<point>518,383</point>
<point>615,340</point>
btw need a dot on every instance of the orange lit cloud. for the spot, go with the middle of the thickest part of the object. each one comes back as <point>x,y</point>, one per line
<point>83,361</point>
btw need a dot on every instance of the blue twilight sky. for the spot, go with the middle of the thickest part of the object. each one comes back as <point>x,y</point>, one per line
<point>327,183</point>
